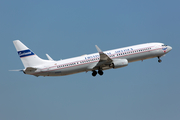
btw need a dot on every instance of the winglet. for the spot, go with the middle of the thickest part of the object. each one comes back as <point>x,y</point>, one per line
<point>98,49</point>
<point>49,57</point>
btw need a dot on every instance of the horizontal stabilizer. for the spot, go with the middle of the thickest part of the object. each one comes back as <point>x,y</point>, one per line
<point>30,69</point>
<point>20,70</point>
<point>27,70</point>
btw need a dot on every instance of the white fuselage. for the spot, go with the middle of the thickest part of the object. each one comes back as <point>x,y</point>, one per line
<point>89,62</point>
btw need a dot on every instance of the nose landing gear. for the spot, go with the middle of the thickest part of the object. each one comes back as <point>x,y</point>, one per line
<point>159,60</point>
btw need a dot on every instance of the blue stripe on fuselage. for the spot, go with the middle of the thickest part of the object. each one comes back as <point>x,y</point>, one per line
<point>25,53</point>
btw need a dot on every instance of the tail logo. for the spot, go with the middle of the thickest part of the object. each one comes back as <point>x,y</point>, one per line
<point>25,53</point>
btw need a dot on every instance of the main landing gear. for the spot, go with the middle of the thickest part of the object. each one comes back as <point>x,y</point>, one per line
<point>94,73</point>
<point>100,72</point>
<point>159,60</point>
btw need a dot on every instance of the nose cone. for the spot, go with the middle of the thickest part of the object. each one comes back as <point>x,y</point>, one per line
<point>169,48</point>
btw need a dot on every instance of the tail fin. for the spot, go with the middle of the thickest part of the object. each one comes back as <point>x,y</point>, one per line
<point>28,57</point>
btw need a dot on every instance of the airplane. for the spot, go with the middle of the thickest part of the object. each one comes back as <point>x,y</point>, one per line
<point>96,62</point>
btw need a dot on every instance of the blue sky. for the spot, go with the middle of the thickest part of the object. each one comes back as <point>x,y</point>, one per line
<point>142,91</point>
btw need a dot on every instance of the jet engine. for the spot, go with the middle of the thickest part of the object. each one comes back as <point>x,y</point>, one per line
<point>117,63</point>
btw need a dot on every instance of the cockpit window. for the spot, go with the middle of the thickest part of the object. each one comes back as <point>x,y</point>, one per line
<point>164,45</point>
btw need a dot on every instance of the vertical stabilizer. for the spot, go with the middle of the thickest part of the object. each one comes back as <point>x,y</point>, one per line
<point>28,57</point>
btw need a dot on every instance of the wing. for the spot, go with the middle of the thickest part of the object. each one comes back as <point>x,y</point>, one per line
<point>104,61</point>
<point>103,56</point>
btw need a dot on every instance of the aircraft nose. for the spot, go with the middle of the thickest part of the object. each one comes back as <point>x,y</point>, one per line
<point>169,48</point>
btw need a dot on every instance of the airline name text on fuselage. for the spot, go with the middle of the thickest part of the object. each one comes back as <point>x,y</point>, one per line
<point>109,53</point>
<point>125,50</point>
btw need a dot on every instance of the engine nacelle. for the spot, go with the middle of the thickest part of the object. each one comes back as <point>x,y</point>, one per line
<point>117,63</point>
